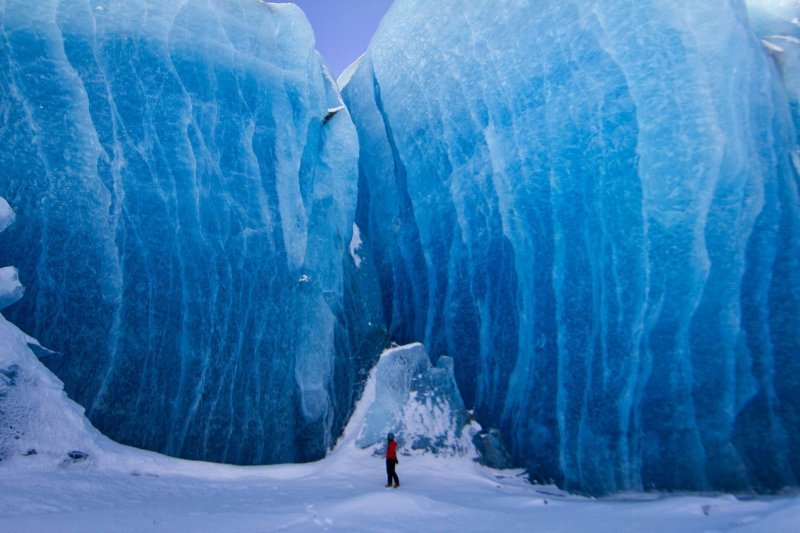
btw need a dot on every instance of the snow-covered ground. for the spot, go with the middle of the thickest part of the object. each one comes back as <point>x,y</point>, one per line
<point>345,493</point>
<point>121,489</point>
<point>59,474</point>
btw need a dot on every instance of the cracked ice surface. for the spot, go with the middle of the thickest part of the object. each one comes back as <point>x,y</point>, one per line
<point>592,207</point>
<point>176,177</point>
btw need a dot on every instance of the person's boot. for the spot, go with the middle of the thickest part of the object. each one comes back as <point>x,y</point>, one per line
<point>388,485</point>
<point>396,485</point>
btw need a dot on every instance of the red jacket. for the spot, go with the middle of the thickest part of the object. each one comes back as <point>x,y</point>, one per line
<point>391,450</point>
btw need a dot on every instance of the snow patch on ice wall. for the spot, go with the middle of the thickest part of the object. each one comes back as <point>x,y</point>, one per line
<point>11,289</point>
<point>7,215</point>
<point>355,245</point>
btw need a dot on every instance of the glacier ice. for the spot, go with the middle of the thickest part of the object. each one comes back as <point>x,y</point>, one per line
<point>36,418</point>
<point>778,25</point>
<point>188,198</point>
<point>417,402</point>
<point>7,215</point>
<point>592,207</point>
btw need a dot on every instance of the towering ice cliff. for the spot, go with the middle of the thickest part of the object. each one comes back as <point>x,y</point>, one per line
<point>185,179</point>
<point>592,207</point>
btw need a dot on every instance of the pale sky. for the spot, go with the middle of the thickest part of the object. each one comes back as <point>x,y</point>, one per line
<point>343,28</point>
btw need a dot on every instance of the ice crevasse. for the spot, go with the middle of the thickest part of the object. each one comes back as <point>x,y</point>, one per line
<point>185,179</point>
<point>593,208</point>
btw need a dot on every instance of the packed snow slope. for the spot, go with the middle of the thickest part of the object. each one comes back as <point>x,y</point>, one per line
<point>592,207</point>
<point>184,176</point>
<point>61,475</point>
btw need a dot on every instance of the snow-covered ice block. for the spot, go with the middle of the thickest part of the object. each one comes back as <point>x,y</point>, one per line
<point>417,402</point>
<point>11,289</point>
<point>7,215</point>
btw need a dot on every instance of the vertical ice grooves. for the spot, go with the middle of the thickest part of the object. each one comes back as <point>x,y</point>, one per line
<point>187,123</point>
<point>621,152</point>
<point>410,252</point>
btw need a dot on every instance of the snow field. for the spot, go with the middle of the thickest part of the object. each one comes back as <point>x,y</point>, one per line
<point>122,489</point>
<point>345,493</point>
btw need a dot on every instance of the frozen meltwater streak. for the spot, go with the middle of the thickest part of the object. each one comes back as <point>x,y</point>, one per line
<point>592,207</point>
<point>187,205</point>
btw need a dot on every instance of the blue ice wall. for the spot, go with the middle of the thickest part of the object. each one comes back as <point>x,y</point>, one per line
<point>592,207</point>
<point>778,26</point>
<point>186,185</point>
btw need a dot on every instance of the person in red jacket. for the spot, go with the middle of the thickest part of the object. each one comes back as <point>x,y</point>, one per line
<point>391,462</point>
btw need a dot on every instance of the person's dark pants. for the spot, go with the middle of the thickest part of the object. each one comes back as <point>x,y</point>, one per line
<point>390,473</point>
